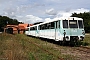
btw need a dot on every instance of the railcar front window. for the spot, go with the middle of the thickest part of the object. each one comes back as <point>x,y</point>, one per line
<point>65,23</point>
<point>80,23</point>
<point>73,24</point>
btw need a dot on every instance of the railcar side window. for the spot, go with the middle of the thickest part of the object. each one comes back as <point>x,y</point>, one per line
<point>40,27</point>
<point>48,25</point>
<point>65,23</point>
<point>80,23</point>
<point>59,24</point>
<point>33,28</point>
<point>56,24</point>
<point>52,25</point>
<point>73,24</point>
<point>43,27</point>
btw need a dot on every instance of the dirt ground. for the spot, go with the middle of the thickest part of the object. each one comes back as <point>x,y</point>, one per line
<point>78,52</point>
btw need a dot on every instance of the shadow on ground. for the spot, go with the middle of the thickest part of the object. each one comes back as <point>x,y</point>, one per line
<point>71,44</point>
<point>61,43</point>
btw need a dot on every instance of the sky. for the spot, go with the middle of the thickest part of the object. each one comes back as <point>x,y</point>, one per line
<point>32,11</point>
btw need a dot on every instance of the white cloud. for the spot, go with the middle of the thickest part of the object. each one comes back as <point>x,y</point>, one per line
<point>9,14</point>
<point>48,19</point>
<point>82,10</point>
<point>17,12</point>
<point>29,19</point>
<point>51,12</point>
<point>53,1</point>
<point>30,11</point>
<point>69,13</point>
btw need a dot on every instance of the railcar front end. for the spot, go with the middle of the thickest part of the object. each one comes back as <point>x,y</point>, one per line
<point>73,29</point>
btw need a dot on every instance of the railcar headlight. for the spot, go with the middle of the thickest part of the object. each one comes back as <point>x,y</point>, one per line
<point>64,32</point>
<point>83,32</point>
<point>67,37</point>
<point>82,37</point>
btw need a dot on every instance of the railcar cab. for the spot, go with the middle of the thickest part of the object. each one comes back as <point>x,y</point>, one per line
<point>73,29</point>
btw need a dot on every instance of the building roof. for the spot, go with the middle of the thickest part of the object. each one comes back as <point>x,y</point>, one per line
<point>15,27</point>
<point>30,24</point>
<point>19,26</point>
<point>22,26</point>
<point>12,26</point>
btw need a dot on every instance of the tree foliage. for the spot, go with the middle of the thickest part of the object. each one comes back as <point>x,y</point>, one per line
<point>4,20</point>
<point>86,17</point>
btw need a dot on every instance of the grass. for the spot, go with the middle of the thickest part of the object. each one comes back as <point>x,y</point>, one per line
<point>87,40</point>
<point>20,47</point>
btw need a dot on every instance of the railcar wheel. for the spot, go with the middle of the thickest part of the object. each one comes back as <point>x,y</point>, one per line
<point>73,42</point>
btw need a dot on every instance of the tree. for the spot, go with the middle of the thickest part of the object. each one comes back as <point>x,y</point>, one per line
<point>86,17</point>
<point>4,20</point>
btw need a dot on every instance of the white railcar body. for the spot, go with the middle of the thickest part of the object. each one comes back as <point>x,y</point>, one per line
<point>59,29</point>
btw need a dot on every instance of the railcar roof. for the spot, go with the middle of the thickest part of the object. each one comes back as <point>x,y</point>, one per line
<point>34,25</point>
<point>68,18</point>
<point>61,18</point>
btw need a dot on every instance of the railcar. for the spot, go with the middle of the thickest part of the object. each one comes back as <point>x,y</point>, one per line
<point>59,29</point>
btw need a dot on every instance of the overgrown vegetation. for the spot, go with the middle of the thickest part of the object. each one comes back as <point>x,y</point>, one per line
<point>86,41</point>
<point>4,20</point>
<point>21,47</point>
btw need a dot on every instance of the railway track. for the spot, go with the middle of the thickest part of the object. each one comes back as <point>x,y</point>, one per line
<point>37,45</point>
<point>84,49</point>
<point>81,49</point>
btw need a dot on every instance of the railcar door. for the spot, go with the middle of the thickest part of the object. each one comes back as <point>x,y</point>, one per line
<point>73,27</point>
<point>57,33</point>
